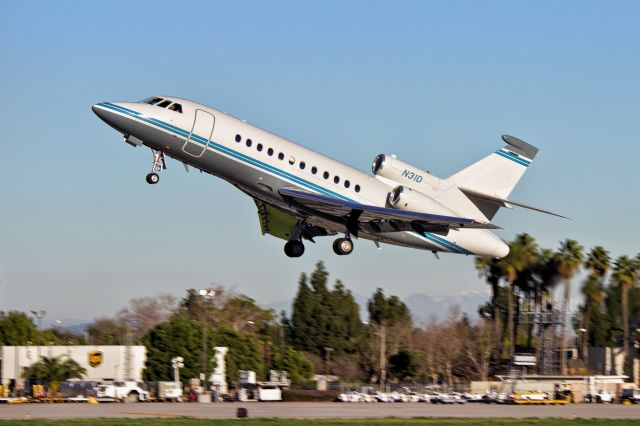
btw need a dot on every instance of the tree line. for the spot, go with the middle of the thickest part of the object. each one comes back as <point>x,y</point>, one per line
<point>525,281</point>
<point>325,334</point>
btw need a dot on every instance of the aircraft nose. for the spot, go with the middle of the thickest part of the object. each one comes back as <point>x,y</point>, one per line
<point>99,110</point>
<point>108,112</point>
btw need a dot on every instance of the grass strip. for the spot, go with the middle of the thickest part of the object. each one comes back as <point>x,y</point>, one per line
<point>391,421</point>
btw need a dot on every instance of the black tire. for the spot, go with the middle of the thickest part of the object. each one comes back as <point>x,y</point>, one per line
<point>152,178</point>
<point>294,248</point>
<point>131,398</point>
<point>342,246</point>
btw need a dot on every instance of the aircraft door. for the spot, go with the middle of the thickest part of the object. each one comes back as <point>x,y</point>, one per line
<point>201,134</point>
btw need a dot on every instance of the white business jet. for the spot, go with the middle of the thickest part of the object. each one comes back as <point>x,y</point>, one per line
<point>301,194</point>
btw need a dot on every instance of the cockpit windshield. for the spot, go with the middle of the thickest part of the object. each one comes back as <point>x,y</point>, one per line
<point>151,101</point>
<point>163,103</point>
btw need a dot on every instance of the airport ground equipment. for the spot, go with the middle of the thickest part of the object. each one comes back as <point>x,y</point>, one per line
<point>127,391</point>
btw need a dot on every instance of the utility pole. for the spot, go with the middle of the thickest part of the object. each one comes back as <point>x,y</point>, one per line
<point>381,331</point>
<point>327,360</point>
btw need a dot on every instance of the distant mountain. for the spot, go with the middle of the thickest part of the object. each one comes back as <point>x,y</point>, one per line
<point>422,306</point>
<point>73,325</point>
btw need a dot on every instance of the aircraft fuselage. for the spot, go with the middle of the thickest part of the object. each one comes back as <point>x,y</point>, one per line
<point>260,163</point>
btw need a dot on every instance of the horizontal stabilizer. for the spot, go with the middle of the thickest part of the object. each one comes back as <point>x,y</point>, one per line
<point>503,202</point>
<point>380,219</point>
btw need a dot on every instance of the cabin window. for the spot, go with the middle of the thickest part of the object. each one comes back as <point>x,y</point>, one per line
<point>292,160</point>
<point>314,170</point>
<point>259,147</point>
<point>238,138</point>
<point>357,188</point>
<point>325,175</point>
<point>270,152</point>
<point>176,107</point>
<point>302,165</point>
<point>280,156</point>
<point>336,179</point>
<point>347,183</point>
<point>164,104</point>
<point>249,142</point>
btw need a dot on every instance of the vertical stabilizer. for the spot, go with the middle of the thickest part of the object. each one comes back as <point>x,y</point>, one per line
<point>497,174</point>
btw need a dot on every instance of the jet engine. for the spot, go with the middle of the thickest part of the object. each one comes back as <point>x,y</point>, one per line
<point>391,168</point>
<point>405,198</point>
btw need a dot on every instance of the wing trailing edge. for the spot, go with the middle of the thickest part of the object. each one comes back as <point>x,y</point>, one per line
<point>379,219</point>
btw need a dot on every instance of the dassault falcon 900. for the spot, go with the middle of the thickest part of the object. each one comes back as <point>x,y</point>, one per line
<point>301,194</point>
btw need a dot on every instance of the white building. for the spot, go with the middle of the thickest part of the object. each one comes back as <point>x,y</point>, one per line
<point>102,363</point>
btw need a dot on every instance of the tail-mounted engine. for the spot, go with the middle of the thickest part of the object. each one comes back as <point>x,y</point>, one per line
<point>389,167</point>
<point>405,198</point>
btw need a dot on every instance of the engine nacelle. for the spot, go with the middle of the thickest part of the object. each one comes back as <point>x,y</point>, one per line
<point>393,169</point>
<point>405,198</point>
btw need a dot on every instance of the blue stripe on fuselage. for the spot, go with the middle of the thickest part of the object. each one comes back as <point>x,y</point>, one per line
<point>221,148</point>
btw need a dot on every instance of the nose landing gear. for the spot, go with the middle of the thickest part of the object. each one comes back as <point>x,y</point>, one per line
<point>152,178</point>
<point>158,164</point>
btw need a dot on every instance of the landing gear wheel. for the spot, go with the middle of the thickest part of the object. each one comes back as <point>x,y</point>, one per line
<point>343,246</point>
<point>153,178</point>
<point>294,248</point>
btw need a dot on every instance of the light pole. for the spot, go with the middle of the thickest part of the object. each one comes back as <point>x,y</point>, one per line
<point>383,370</point>
<point>177,363</point>
<point>207,295</point>
<point>38,315</point>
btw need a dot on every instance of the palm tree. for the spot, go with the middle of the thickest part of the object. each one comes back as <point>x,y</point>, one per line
<point>598,263</point>
<point>546,271</point>
<point>489,268</point>
<point>570,258</point>
<point>523,253</point>
<point>625,274</point>
<point>54,370</point>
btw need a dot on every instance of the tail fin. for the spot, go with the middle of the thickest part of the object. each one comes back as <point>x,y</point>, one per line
<point>497,174</point>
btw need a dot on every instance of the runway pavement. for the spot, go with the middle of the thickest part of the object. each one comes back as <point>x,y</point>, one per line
<point>312,410</point>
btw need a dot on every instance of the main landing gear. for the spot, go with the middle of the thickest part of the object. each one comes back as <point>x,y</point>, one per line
<point>341,246</point>
<point>158,164</point>
<point>294,248</point>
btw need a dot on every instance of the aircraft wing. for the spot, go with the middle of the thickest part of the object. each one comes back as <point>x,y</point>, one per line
<point>377,219</point>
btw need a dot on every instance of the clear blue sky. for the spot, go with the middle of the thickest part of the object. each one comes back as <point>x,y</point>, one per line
<point>436,83</point>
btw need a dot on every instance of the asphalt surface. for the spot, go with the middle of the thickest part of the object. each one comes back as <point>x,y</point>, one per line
<point>312,410</point>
